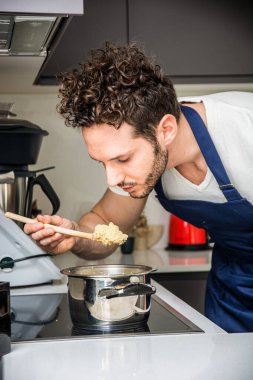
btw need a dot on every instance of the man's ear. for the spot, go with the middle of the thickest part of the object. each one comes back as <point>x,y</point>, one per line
<point>167,128</point>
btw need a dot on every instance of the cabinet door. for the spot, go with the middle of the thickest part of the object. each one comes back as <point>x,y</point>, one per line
<point>196,41</point>
<point>102,21</point>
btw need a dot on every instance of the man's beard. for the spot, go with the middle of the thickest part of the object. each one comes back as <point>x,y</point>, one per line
<point>159,166</point>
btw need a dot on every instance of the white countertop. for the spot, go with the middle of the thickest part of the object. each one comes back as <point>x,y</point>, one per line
<point>177,357</point>
<point>163,260</point>
<point>213,354</point>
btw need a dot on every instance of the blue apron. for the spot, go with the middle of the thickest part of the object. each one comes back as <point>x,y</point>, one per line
<point>229,291</point>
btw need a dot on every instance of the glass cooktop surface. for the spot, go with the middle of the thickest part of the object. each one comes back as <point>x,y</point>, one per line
<point>47,317</point>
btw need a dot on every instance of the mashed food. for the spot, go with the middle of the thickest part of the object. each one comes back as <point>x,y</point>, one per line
<point>109,234</point>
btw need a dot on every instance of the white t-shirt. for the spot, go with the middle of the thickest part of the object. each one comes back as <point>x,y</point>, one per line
<point>230,125</point>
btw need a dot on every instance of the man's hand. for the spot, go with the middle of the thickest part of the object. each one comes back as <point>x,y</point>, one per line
<point>47,238</point>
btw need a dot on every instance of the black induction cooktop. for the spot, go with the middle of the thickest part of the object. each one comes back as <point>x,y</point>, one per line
<point>40,317</point>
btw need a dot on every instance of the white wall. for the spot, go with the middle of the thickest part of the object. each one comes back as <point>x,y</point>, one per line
<point>78,181</point>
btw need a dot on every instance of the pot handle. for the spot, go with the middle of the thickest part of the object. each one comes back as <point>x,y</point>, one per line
<point>142,311</point>
<point>125,290</point>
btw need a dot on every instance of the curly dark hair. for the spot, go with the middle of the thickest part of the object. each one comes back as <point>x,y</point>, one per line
<point>118,84</point>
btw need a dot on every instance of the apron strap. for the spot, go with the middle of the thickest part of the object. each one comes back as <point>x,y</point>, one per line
<point>210,153</point>
<point>159,188</point>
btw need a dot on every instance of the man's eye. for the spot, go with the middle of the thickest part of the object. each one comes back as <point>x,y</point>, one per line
<point>122,160</point>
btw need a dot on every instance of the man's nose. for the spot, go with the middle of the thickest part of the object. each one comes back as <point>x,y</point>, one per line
<point>114,177</point>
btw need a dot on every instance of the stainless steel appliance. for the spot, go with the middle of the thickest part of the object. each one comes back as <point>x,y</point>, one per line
<point>20,143</point>
<point>22,262</point>
<point>16,191</point>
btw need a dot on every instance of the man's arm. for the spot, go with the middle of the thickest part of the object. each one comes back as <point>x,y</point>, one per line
<point>123,211</point>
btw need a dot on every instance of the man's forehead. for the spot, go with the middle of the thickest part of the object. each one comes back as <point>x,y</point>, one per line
<point>108,147</point>
<point>105,133</point>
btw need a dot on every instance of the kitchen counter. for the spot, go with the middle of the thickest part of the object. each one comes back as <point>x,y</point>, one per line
<point>211,354</point>
<point>163,260</point>
<point>179,357</point>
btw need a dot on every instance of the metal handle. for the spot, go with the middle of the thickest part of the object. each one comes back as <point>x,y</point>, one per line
<point>125,290</point>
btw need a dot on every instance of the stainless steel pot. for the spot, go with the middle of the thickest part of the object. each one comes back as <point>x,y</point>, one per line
<point>109,297</point>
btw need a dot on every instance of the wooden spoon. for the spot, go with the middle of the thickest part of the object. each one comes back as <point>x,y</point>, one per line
<point>65,231</point>
<point>104,235</point>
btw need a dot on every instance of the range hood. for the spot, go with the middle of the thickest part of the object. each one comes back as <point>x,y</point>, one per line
<point>27,27</point>
<point>26,34</point>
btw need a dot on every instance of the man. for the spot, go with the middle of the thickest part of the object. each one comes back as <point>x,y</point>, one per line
<point>196,154</point>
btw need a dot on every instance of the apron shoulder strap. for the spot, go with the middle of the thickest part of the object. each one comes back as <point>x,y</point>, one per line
<point>210,153</point>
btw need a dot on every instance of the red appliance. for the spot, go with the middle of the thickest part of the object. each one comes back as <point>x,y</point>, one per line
<point>184,236</point>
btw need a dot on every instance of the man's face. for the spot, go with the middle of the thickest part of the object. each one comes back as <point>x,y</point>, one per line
<point>130,162</point>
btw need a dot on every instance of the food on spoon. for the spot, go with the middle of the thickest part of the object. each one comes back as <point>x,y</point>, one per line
<point>109,234</point>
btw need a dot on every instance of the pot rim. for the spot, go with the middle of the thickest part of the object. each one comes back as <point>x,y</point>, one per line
<point>77,270</point>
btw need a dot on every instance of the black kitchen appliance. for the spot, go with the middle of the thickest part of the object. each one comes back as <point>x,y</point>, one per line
<point>20,143</point>
<point>5,322</point>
